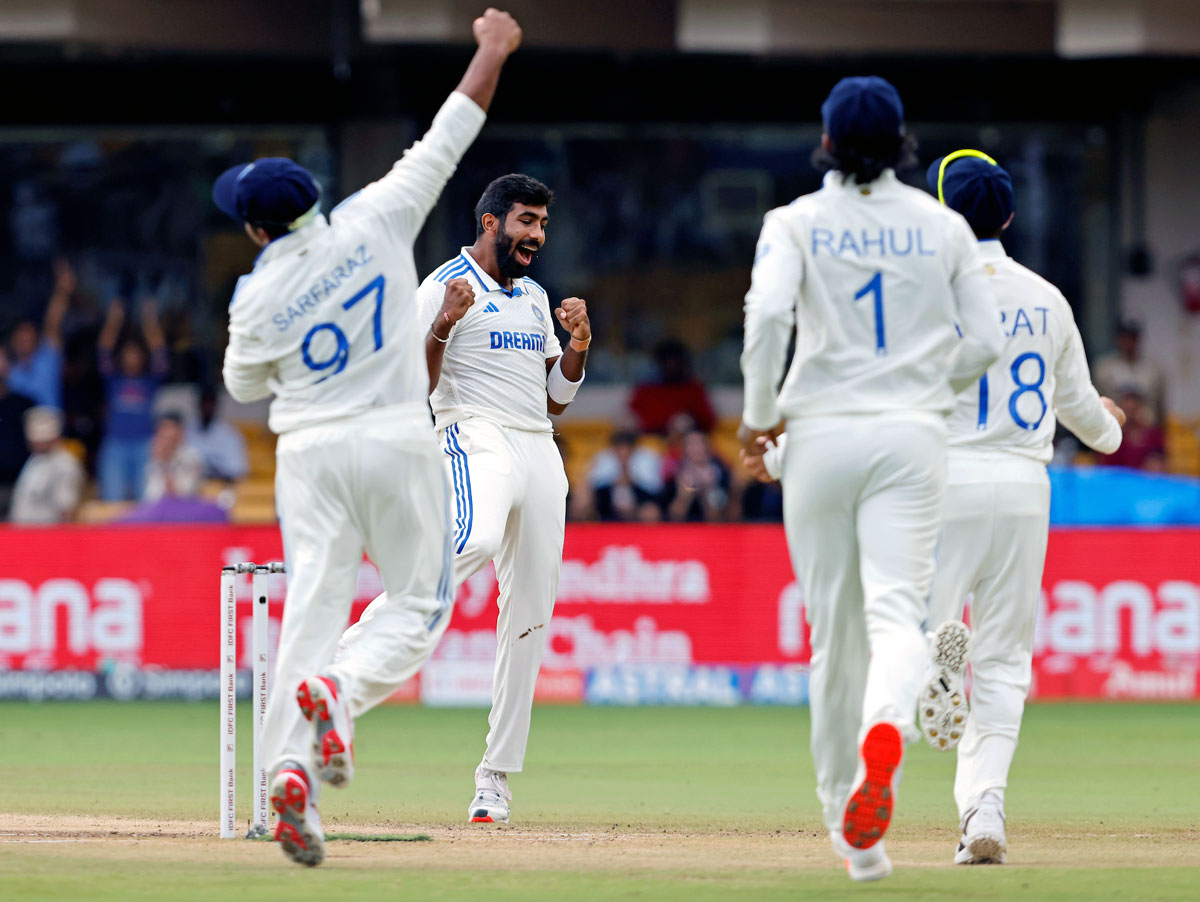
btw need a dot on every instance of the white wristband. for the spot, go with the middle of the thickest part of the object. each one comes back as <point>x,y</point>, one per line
<point>561,389</point>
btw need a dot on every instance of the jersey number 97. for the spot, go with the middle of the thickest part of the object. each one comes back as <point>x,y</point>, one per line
<point>337,356</point>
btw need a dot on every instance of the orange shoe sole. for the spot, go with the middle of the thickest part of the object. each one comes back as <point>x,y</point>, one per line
<point>869,808</point>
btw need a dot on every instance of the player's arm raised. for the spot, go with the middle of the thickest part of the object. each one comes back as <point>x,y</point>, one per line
<point>564,374</point>
<point>408,192</point>
<point>456,302</point>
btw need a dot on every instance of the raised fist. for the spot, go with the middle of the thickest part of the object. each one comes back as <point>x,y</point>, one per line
<point>458,300</point>
<point>573,315</point>
<point>497,29</point>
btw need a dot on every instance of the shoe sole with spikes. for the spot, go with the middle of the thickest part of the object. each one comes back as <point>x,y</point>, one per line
<point>942,706</point>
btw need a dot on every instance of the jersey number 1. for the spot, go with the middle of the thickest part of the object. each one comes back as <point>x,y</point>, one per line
<point>341,351</point>
<point>875,287</point>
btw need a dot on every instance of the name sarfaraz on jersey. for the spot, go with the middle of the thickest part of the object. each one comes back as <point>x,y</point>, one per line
<point>518,341</point>
<point>321,289</point>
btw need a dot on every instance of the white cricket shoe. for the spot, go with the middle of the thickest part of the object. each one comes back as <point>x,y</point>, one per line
<point>321,701</point>
<point>983,840</point>
<point>862,865</point>
<point>942,707</point>
<point>298,831</point>
<point>867,813</point>
<point>490,805</point>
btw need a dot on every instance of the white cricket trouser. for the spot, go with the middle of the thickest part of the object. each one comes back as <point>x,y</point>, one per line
<point>862,509</point>
<point>994,546</point>
<point>509,506</point>
<point>372,482</point>
<point>510,494</point>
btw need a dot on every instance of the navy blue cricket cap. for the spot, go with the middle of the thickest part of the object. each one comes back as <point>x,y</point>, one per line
<point>976,186</point>
<point>273,190</point>
<point>864,108</point>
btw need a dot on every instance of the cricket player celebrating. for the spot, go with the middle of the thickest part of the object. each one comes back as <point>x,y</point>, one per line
<point>998,507</point>
<point>496,369</point>
<point>874,275</point>
<point>327,323</point>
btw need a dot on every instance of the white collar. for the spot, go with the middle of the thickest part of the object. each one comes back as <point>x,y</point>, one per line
<point>485,280</point>
<point>292,241</point>
<point>992,249</point>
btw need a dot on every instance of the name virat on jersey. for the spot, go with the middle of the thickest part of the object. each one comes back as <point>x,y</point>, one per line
<point>329,283</point>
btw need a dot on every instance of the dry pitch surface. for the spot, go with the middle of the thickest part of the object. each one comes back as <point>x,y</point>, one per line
<point>761,841</point>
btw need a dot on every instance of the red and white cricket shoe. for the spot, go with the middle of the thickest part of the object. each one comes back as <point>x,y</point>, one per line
<point>298,830</point>
<point>321,701</point>
<point>868,811</point>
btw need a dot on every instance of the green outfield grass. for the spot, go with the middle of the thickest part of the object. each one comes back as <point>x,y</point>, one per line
<point>1103,803</point>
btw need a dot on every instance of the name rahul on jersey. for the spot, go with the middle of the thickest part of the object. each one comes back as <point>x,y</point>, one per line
<point>890,242</point>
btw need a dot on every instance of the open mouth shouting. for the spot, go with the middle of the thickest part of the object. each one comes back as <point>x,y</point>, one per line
<point>525,251</point>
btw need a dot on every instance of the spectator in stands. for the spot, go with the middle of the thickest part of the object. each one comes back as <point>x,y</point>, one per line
<point>1126,367</point>
<point>699,489</point>
<point>37,361</point>
<point>50,486</point>
<point>626,481</point>
<point>173,480</point>
<point>176,469</point>
<point>675,390</point>
<point>221,445</point>
<point>1142,446</point>
<point>131,379</point>
<point>13,450</point>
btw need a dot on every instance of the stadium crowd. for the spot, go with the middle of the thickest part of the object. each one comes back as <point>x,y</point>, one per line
<point>110,412</point>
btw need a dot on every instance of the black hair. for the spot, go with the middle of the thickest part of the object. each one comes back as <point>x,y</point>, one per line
<point>865,160</point>
<point>273,229</point>
<point>503,193</point>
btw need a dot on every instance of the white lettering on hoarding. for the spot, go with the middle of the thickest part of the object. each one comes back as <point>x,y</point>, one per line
<point>107,620</point>
<point>791,620</point>
<point>1125,682</point>
<point>574,643</point>
<point>621,575</point>
<point>1122,614</point>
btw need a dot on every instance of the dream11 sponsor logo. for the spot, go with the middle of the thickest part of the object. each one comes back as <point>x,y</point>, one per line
<point>61,622</point>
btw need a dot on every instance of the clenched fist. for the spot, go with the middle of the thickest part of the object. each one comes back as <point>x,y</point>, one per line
<point>572,313</point>
<point>1112,407</point>
<point>458,300</point>
<point>497,30</point>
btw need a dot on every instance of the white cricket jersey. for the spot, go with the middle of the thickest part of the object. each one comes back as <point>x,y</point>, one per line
<point>494,365</point>
<point>1041,372</point>
<point>327,319</point>
<point>874,278</point>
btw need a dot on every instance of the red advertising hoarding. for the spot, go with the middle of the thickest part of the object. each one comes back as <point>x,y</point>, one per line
<point>645,614</point>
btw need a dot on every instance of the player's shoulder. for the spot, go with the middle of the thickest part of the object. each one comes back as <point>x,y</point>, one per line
<point>456,267</point>
<point>248,293</point>
<point>534,289</point>
<point>1031,281</point>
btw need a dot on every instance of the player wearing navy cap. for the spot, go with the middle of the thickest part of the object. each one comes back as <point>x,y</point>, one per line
<point>326,322</point>
<point>998,507</point>
<point>874,275</point>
